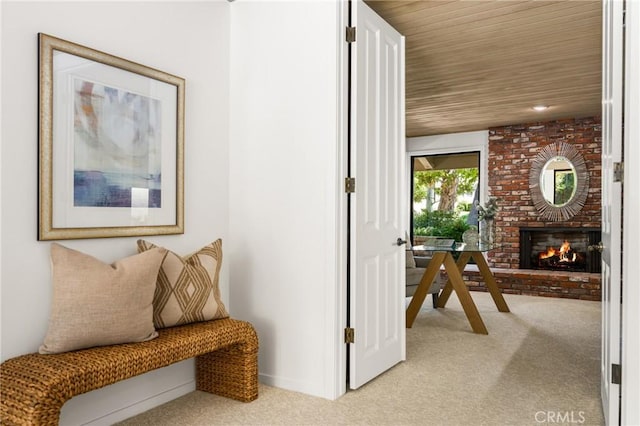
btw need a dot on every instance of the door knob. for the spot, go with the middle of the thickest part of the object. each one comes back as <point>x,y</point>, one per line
<point>596,247</point>
<point>400,241</point>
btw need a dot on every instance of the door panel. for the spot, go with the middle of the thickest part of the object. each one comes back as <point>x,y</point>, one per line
<point>612,77</point>
<point>377,207</point>
<point>630,337</point>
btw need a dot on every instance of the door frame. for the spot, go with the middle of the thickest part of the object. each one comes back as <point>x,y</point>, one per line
<point>630,387</point>
<point>337,369</point>
<point>611,191</point>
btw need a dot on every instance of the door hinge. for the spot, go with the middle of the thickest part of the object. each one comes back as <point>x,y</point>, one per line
<point>351,34</point>
<point>616,374</point>
<point>350,185</point>
<point>349,335</point>
<point>618,172</point>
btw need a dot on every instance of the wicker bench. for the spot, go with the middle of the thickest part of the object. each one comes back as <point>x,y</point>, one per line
<point>34,387</point>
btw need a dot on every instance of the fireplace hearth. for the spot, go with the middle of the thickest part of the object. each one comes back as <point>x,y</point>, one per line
<point>560,249</point>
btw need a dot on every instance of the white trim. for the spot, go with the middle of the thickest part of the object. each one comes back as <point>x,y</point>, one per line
<point>612,145</point>
<point>453,143</point>
<point>145,405</point>
<point>630,388</point>
<point>1,145</point>
<point>124,394</point>
<point>337,349</point>
<point>278,381</point>
<point>404,189</point>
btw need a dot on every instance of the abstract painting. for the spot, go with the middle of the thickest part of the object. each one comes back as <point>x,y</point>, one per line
<point>111,145</point>
<point>116,147</point>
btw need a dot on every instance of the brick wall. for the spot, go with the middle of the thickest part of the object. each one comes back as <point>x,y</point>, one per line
<point>511,151</point>
<point>570,285</point>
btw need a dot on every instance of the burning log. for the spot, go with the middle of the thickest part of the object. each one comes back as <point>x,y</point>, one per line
<point>558,257</point>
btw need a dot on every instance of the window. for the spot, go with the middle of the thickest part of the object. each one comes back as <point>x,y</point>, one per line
<point>444,188</point>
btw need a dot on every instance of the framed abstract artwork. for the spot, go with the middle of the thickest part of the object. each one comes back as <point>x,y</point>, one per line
<point>111,145</point>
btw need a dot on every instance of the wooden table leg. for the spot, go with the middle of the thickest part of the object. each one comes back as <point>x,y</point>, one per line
<point>446,291</point>
<point>423,287</point>
<point>490,282</point>
<point>470,309</point>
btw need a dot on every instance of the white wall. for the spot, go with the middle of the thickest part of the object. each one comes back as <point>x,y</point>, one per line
<point>189,39</point>
<point>285,157</point>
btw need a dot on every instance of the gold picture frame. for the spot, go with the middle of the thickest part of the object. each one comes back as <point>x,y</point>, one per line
<point>111,145</point>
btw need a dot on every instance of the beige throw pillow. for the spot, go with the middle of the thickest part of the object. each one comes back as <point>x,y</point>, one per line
<point>97,304</point>
<point>187,289</point>
<point>410,260</point>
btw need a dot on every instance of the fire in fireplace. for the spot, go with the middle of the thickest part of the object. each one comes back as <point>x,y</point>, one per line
<point>564,258</point>
<point>559,249</point>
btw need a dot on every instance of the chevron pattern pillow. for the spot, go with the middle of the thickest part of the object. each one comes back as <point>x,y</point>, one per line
<point>187,287</point>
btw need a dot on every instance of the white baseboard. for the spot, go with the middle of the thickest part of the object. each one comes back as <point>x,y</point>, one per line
<point>293,385</point>
<point>144,405</point>
<point>127,398</point>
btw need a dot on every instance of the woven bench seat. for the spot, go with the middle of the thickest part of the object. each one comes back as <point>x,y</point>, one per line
<point>34,387</point>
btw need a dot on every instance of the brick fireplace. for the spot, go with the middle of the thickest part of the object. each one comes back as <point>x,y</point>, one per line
<point>511,151</point>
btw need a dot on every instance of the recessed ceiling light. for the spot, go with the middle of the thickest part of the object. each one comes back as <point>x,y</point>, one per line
<point>540,107</point>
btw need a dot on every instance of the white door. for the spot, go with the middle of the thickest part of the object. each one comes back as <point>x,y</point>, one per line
<point>378,206</point>
<point>630,387</point>
<point>612,78</point>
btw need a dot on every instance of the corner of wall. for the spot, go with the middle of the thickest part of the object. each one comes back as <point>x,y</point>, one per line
<point>283,180</point>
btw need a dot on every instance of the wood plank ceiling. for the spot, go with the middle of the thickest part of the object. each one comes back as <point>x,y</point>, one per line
<point>476,64</point>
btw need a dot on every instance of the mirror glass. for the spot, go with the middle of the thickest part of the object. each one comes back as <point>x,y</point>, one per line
<point>558,181</point>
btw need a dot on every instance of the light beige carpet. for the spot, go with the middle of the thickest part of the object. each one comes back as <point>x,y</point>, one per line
<point>538,365</point>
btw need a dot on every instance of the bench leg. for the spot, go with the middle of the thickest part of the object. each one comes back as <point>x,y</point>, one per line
<point>46,413</point>
<point>230,372</point>
<point>25,396</point>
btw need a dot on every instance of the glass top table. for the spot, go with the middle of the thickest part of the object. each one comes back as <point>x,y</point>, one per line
<point>442,255</point>
<point>457,247</point>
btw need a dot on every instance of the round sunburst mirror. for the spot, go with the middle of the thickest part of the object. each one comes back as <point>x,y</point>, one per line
<point>559,181</point>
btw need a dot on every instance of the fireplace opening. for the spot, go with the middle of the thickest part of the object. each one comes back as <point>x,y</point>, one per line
<point>559,249</point>
<point>564,258</point>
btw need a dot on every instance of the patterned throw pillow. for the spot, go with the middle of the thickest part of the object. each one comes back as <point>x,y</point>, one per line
<point>187,287</point>
<point>97,304</point>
